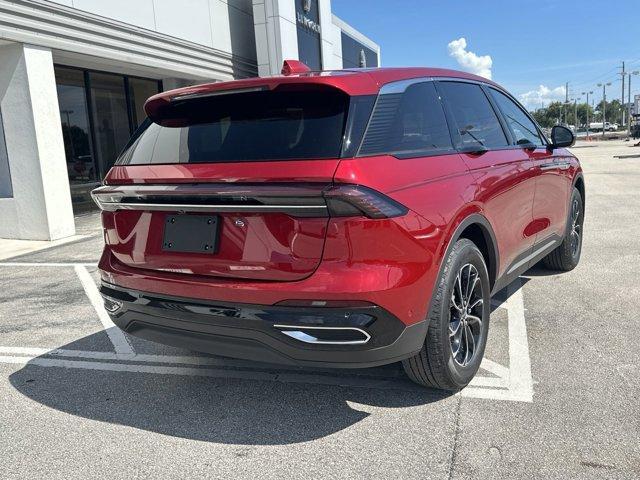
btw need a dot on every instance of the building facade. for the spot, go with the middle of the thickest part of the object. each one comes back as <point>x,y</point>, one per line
<point>74,76</point>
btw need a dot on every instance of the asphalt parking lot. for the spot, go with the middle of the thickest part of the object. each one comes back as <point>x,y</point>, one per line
<point>557,395</point>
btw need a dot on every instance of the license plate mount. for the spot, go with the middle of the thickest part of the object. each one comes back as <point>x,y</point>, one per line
<point>187,233</point>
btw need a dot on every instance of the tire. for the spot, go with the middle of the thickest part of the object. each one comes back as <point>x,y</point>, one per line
<point>435,365</point>
<point>567,256</point>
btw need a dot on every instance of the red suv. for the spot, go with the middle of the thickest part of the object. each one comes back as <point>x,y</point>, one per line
<point>335,219</point>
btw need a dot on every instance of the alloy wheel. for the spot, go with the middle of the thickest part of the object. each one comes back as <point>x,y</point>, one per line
<point>576,227</point>
<point>466,315</point>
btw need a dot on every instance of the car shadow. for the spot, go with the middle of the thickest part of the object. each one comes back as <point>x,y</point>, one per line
<point>225,409</point>
<point>540,270</point>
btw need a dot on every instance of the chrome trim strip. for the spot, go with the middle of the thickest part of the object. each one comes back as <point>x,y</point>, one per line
<point>531,256</point>
<point>399,86</point>
<point>298,334</point>
<point>180,207</point>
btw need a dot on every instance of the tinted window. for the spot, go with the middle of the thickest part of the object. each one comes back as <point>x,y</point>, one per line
<point>408,124</point>
<point>523,129</point>
<point>356,55</point>
<point>246,127</point>
<point>308,30</point>
<point>476,121</point>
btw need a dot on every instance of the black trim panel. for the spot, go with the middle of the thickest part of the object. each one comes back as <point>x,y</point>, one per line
<point>247,331</point>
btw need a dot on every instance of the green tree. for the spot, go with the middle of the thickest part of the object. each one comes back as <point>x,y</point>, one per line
<point>613,111</point>
<point>560,112</point>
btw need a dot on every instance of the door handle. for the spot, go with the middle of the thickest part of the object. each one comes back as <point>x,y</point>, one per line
<point>549,166</point>
<point>554,165</point>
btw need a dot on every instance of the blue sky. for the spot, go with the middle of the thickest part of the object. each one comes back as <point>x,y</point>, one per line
<point>534,46</point>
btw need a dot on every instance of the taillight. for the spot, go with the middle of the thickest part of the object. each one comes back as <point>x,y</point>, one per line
<point>297,200</point>
<point>356,200</point>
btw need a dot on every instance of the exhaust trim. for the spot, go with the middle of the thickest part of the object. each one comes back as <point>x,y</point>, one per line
<point>297,333</point>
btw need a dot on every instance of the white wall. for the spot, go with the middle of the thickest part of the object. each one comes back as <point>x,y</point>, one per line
<point>225,25</point>
<point>40,208</point>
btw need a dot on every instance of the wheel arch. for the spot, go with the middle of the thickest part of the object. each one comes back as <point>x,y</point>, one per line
<point>578,182</point>
<point>476,227</point>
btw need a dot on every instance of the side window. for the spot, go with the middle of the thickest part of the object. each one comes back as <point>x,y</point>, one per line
<point>476,121</point>
<point>408,124</point>
<point>523,129</point>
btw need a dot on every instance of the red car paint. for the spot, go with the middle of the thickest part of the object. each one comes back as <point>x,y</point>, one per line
<point>390,262</point>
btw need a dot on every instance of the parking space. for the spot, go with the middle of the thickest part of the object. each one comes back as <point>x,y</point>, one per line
<point>556,395</point>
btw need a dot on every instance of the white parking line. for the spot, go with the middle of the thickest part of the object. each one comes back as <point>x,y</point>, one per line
<point>119,341</point>
<point>520,381</point>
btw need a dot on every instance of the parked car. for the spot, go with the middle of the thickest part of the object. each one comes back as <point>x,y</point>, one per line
<point>608,127</point>
<point>335,219</point>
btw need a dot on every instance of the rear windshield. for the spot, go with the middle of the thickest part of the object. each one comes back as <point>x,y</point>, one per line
<point>254,126</point>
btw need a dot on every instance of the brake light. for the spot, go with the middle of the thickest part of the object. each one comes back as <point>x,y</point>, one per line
<point>356,200</point>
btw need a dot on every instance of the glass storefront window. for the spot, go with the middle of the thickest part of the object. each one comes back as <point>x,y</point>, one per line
<point>140,90</point>
<point>74,116</point>
<point>308,31</point>
<point>98,112</point>
<point>110,117</point>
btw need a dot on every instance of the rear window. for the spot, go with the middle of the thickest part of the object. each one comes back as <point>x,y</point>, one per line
<point>239,127</point>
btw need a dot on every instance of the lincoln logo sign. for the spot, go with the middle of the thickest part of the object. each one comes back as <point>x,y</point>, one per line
<point>306,21</point>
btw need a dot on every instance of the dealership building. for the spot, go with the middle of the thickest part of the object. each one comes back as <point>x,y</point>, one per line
<point>74,76</point>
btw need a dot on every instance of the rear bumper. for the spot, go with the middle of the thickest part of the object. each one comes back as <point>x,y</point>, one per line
<point>257,332</point>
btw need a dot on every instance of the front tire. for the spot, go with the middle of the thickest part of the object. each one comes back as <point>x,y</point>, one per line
<point>567,256</point>
<point>458,322</point>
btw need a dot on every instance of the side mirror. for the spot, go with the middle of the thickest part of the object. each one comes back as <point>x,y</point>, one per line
<point>562,137</point>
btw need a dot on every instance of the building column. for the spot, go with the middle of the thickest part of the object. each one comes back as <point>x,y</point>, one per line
<point>38,205</point>
<point>274,23</point>
<point>327,37</point>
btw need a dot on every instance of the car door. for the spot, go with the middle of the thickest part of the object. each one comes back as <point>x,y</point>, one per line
<point>551,195</point>
<point>503,175</point>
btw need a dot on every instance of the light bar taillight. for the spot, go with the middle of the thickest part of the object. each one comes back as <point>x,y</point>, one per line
<point>297,200</point>
<point>356,200</point>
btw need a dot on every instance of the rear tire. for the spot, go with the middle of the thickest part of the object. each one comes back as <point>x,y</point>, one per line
<point>458,322</point>
<point>567,256</point>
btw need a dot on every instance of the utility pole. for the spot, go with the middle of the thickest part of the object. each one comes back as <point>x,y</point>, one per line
<point>575,115</point>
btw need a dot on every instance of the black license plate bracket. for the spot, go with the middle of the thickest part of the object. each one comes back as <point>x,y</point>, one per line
<point>190,233</point>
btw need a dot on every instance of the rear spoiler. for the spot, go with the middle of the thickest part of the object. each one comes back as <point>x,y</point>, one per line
<point>295,74</point>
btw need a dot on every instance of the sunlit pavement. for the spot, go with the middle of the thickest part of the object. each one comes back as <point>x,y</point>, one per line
<point>556,397</point>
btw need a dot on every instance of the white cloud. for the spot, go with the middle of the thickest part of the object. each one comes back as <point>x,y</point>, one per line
<point>469,61</point>
<point>542,95</point>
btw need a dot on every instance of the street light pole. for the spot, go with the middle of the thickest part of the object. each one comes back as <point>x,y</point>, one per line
<point>604,105</point>
<point>587,94</point>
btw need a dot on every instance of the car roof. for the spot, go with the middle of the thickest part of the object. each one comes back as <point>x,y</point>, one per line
<point>360,81</point>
